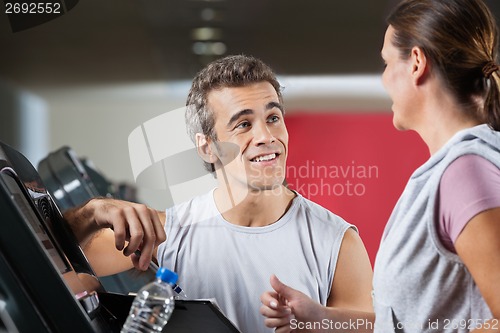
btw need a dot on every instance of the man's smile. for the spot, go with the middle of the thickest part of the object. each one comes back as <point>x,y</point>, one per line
<point>264,158</point>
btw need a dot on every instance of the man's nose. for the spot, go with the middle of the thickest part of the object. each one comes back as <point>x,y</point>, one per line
<point>263,134</point>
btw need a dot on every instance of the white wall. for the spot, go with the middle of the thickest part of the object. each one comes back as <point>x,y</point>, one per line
<point>24,121</point>
<point>96,122</point>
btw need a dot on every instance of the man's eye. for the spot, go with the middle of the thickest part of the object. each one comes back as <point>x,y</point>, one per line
<point>243,124</point>
<point>273,119</point>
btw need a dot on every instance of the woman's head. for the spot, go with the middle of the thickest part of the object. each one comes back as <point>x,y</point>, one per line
<point>460,40</point>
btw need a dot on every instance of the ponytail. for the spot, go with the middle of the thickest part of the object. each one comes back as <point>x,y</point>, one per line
<point>492,101</point>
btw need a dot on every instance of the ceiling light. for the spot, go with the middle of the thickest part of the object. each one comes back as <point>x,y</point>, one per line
<point>209,48</point>
<point>206,33</point>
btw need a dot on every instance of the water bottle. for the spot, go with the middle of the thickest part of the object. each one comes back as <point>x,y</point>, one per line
<point>153,305</point>
<point>179,293</point>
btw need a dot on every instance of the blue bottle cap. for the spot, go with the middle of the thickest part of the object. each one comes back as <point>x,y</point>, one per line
<point>166,275</point>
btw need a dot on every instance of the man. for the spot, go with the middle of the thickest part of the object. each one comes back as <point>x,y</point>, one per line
<point>226,244</point>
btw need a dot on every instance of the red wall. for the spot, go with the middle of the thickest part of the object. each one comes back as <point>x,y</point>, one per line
<point>356,165</point>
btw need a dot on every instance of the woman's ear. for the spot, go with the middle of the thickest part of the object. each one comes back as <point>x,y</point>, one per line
<point>204,148</point>
<point>419,65</point>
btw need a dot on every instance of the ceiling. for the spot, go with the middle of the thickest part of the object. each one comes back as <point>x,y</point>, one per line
<point>124,41</point>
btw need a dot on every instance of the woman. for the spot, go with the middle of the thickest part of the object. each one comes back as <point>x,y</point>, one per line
<point>438,266</point>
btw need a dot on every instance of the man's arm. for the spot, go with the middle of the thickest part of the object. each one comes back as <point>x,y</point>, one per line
<point>349,304</point>
<point>352,283</point>
<point>109,231</point>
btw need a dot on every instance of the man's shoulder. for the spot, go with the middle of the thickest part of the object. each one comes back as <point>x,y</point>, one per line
<point>198,199</point>
<point>321,224</point>
<point>196,208</point>
<point>317,212</point>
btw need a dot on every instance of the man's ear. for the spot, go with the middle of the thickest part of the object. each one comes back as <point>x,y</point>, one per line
<point>204,148</point>
<point>419,65</point>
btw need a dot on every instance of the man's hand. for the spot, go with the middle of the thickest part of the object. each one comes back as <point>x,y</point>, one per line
<point>285,307</point>
<point>135,227</point>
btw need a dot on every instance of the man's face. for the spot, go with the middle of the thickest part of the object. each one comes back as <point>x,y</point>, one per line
<point>252,141</point>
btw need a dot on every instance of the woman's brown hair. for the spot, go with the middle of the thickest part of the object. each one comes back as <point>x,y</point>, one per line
<point>460,37</point>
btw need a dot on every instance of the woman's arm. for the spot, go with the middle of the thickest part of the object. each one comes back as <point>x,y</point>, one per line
<point>478,245</point>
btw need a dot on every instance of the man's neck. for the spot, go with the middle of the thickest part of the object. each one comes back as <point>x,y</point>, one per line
<point>254,208</point>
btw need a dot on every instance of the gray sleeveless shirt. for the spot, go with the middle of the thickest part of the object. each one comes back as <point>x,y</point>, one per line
<point>419,286</point>
<point>233,264</point>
